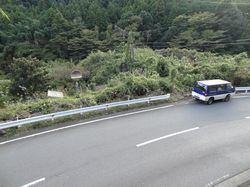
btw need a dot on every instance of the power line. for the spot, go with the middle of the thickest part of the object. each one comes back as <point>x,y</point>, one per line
<point>234,3</point>
<point>208,42</point>
<point>198,46</point>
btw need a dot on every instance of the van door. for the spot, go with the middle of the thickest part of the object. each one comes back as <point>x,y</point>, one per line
<point>221,91</point>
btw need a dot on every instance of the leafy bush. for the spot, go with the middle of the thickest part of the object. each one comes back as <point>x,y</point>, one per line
<point>6,114</point>
<point>174,73</point>
<point>166,86</point>
<point>162,69</point>
<point>102,66</point>
<point>29,76</point>
<point>189,80</point>
<point>4,92</point>
<point>242,77</point>
<point>104,96</point>
<point>152,84</point>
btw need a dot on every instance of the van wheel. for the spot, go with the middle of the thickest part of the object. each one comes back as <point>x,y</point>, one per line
<point>210,101</point>
<point>227,98</point>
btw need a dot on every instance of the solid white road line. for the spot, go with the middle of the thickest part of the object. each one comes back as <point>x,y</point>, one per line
<point>34,182</point>
<point>167,136</point>
<point>212,183</point>
<point>84,123</point>
<point>248,117</point>
<point>241,96</point>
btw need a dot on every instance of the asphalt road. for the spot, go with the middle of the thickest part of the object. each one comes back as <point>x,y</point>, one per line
<point>189,145</point>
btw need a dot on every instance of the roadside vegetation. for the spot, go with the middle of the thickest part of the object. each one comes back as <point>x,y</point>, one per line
<point>107,77</point>
<point>124,50</point>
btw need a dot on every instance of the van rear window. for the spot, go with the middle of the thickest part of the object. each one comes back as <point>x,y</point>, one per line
<point>200,87</point>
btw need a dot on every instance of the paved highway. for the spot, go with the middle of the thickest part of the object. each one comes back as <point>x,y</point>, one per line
<point>188,144</point>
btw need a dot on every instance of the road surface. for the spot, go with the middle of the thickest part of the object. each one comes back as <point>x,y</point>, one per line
<point>189,145</point>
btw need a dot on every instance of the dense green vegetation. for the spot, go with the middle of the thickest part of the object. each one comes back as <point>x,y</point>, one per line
<point>151,73</point>
<point>123,49</point>
<point>71,29</point>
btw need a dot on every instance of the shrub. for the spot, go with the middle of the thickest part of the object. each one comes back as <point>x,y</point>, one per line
<point>139,89</point>
<point>101,66</point>
<point>211,72</point>
<point>103,96</point>
<point>162,69</point>
<point>189,80</point>
<point>136,85</point>
<point>152,84</point>
<point>173,74</point>
<point>242,77</point>
<point>6,114</point>
<point>166,86</point>
<point>4,92</point>
<point>28,75</point>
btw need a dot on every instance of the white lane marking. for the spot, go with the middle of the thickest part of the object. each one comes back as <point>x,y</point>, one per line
<point>248,117</point>
<point>167,136</point>
<point>34,182</point>
<point>241,96</point>
<point>212,183</point>
<point>84,123</point>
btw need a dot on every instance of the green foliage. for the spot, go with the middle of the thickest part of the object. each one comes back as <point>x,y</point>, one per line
<point>200,32</point>
<point>128,85</point>
<point>162,69</point>
<point>102,66</point>
<point>105,82</point>
<point>65,29</point>
<point>112,93</point>
<point>28,76</point>
<point>165,85</point>
<point>4,14</point>
<point>59,72</point>
<point>137,86</point>
<point>4,92</point>
<point>174,73</point>
<point>242,77</point>
<point>231,19</point>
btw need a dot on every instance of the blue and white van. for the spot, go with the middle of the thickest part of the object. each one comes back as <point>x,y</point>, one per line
<point>211,90</point>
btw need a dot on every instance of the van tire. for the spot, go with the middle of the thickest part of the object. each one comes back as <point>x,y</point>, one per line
<point>210,101</point>
<point>227,98</point>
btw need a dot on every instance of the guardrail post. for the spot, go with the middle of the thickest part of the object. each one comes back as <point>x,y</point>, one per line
<point>17,118</point>
<point>81,112</point>
<point>107,106</point>
<point>149,100</point>
<point>52,117</point>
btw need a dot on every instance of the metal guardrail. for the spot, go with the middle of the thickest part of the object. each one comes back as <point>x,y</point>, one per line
<point>55,115</point>
<point>242,90</point>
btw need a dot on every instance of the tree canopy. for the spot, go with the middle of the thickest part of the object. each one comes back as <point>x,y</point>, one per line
<point>72,29</point>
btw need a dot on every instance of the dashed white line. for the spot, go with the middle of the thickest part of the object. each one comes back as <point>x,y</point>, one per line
<point>34,182</point>
<point>248,117</point>
<point>84,123</point>
<point>167,136</point>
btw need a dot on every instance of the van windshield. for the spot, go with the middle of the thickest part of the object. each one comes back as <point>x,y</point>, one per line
<point>200,86</point>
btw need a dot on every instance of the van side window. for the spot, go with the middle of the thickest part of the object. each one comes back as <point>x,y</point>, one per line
<point>212,88</point>
<point>221,88</point>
